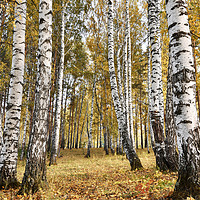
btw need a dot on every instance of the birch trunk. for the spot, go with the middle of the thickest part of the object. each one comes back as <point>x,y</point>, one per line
<point>70,118</point>
<point>156,89</point>
<point>121,117</point>
<point>91,120</point>
<point>184,101</point>
<point>149,126</point>
<point>130,106</point>
<point>170,140</point>
<point>119,77</point>
<point>63,141</point>
<point>126,99</point>
<point>76,145</point>
<point>75,122</point>
<point>25,125</point>
<point>35,171</point>
<point>9,153</point>
<point>55,139</point>
<point>80,141</point>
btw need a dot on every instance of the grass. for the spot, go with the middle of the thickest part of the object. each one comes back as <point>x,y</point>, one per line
<point>100,177</point>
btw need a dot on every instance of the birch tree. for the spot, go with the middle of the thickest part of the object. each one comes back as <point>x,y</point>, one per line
<point>157,115</point>
<point>55,139</point>
<point>170,140</point>
<point>35,170</point>
<point>130,152</point>
<point>25,126</point>
<point>184,101</point>
<point>9,152</point>
<point>91,120</point>
<point>130,106</point>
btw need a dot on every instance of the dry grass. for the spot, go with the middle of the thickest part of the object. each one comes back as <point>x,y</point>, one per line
<point>100,177</point>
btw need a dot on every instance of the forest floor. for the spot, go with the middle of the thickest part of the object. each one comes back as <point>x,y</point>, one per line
<point>100,177</point>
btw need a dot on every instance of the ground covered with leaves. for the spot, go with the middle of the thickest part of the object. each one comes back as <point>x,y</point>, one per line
<point>100,177</point>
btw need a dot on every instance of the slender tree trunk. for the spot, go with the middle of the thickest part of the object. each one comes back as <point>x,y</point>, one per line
<point>75,122</point>
<point>101,120</point>
<point>121,116</point>
<point>157,114</point>
<point>91,120</point>
<point>63,142</point>
<point>126,99</point>
<point>129,73</point>
<point>35,171</point>
<point>80,141</point>
<point>184,100</point>
<point>149,126</point>
<point>70,117</point>
<point>9,153</point>
<point>76,145</point>
<point>25,125</point>
<point>55,139</point>
<point>105,139</point>
<point>170,140</point>
<point>72,122</point>
<point>141,131</point>
<point>136,124</point>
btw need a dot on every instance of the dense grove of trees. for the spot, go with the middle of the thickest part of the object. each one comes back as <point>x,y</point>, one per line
<point>116,74</point>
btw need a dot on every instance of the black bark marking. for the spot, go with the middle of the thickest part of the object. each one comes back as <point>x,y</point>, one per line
<point>172,25</point>
<point>184,75</point>
<point>180,34</point>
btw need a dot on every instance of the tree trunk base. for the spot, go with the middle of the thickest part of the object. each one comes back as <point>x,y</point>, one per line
<point>136,164</point>
<point>31,188</point>
<point>4,184</point>
<point>53,160</point>
<point>185,188</point>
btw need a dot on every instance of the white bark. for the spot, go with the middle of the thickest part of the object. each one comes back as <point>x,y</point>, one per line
<point>149,125</point>
<point>91,120</point>
<point>126,98</point>
<point>122,125</point>
<point>55,139</point>
<point>157,114</point>
<point>184,101</point>
<point>8,165</point>
<point>25,125</point>
<point>35,171</point>
<point>130,106</point>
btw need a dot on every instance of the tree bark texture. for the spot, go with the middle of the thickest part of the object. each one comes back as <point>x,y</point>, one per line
<point>55,139</point>
<point>9,153</point>
<point>170,140</point>
<point>157,114</point>
<point>35,170</point>
<point>25,125</point>
<point>184,101</point>
<point>91,120</point>
<point>121,117</point>
<point>130,106</point>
